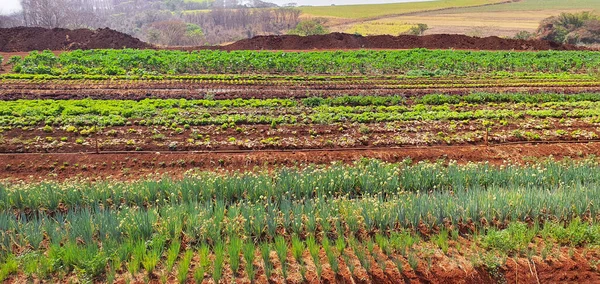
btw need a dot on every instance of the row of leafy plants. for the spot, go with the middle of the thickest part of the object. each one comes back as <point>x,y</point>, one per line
<point>417,62</point>
<point>361,109</point>
<point>267,221</point>
<point>295,78</point>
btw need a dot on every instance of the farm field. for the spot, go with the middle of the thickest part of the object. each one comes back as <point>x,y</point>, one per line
<point>475,23</point>
<point>369,222</point>
<point>503,19</point>
<point>356,166</point>
<point>378,10</point>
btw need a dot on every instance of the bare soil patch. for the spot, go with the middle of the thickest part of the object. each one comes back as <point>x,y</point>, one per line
<point>28,39</point>
<point>139,90</point>
<point>347,41</point>
<point>129,166</point>
<point>35,38</point>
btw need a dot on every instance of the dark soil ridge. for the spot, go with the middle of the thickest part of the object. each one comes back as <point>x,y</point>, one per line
<point>23,39</point>
<point>350,41</point>
<point>36,38</point>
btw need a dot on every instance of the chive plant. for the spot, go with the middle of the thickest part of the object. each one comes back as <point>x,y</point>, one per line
<point>203,263</point>
<point>234,249</point>
<point>172,254</point>
<point>281,249</point>
<point>297,249</point>
<point>381,199</point>
<point>218,262</point>
<point>184,266</point>
<point>248,251</point>
<point>265,253</point>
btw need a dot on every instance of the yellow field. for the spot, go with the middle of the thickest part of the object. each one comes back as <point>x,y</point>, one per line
<point>378,28</point>
<point>499,20</point>
<point>506,23</point>
<point>377,10</point>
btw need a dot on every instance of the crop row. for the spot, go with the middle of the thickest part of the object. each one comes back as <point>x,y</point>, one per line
<point>368,177</point>
<point>362,109</point>
<point>282,79</point>
<point>93,229</point>
<point>417,62</point>
<point>245,137</point>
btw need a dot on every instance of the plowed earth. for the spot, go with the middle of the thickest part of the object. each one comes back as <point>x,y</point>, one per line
<point>132,165</point>
<point>273,88</point>
<point>348,41</point>
<point>33,38</point>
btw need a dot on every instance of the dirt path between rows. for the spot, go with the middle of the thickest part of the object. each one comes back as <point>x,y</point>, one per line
<point>127,166</point>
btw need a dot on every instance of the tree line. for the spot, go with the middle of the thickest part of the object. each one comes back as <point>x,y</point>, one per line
<point>164,22</point>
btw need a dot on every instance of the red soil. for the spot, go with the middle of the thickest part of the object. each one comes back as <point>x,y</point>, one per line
<point>139,90</point>
<point>348,41</point>
<point>135,165</point>
<point>35,38</point>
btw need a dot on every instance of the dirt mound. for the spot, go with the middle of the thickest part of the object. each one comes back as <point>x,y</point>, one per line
<point>34,38</point>
<point>348,41</point>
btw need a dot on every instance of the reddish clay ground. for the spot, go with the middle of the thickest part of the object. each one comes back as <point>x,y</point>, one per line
<point>35,38</point>
<point>281,88</point>
<point>348,41</point>
<point>136,165</point>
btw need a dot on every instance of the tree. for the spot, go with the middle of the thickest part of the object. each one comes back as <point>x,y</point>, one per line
<point>45,13</point>
<point>175,33</point>
<point>571,28</point>
<point>418,30</point>
<point>12,20</point>
<point>171,32</point>
<point>194,35</point>
<point>65,13</point>
<point>174,5</point>
<point>309,27</point>
<point>155,20</point>
<point>524,35</point>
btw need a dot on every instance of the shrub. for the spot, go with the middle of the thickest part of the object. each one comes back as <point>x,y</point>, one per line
<point>574,28</point>
<point>309,27</point>
<point>514,239</point>
<point>418,30</point>
<point>524,35</point>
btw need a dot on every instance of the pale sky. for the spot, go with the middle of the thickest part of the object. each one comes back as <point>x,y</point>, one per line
<point>8,6</point>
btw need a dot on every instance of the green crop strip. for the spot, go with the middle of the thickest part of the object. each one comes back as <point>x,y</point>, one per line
<point>294,78</point>
<point>418,62</point>
<point>362,109</point>
<point>82,227</point>
<point>338,181</point>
